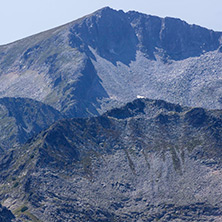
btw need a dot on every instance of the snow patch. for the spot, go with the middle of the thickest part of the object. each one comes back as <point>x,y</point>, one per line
<point>140,97</point>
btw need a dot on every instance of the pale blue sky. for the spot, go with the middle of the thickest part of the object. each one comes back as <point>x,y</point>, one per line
<point>21,18</point>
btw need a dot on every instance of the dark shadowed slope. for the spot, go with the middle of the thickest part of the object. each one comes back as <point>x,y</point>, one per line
<point>22,118</point>
<point>5,214</point>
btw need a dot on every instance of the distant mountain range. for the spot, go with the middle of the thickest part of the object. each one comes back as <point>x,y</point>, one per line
<point>113,117</point>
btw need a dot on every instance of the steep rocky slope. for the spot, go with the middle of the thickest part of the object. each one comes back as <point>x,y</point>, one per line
<point>22,118</point>
<point>146,161</point>
<point>110,57</point>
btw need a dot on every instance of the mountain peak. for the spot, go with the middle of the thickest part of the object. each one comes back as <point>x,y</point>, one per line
<point>107,10</point>
<point>68,63</point>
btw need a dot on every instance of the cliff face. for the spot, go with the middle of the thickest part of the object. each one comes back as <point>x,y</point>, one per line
<point>117,36</point>
<point>110,57</point>
<point>149,159</point>
<point>176,38</point>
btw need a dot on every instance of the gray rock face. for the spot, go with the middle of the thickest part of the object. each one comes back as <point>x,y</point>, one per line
<point>110,57</point>
<point>21,118</point>
<point>147,160</point>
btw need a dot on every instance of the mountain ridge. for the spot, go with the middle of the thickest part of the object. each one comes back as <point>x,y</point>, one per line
<point>148,163</point>
<point>112,47</point>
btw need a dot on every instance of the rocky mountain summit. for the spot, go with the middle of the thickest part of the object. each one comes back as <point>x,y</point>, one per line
<point>111,57</point>
<point>145,161</point>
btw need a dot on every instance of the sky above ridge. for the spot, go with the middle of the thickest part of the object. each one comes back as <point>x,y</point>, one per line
<point>19,19</point>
